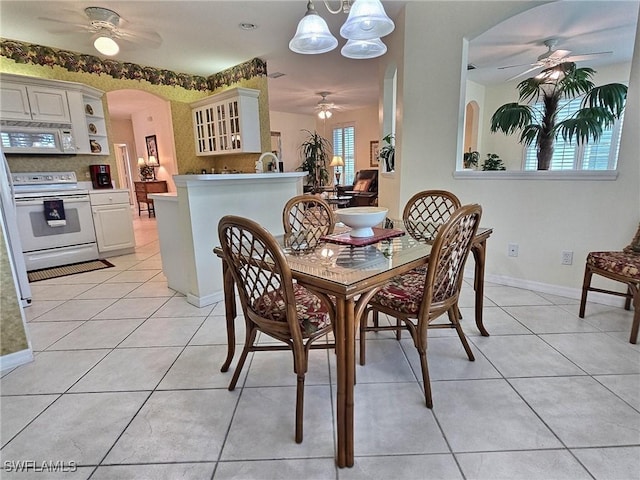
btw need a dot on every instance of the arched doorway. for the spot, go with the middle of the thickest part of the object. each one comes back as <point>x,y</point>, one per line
<point>136,115</point>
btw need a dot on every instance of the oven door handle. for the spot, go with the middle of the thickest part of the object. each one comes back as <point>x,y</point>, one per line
<point>40,200</point>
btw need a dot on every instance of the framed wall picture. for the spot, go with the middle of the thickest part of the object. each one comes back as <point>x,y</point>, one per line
<point>374,150</point>
<point>152,147</point>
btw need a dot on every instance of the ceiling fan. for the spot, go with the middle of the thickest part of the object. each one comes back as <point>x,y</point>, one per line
<point>552,57</point>
<point>107,28</point>
<point>325,107</point>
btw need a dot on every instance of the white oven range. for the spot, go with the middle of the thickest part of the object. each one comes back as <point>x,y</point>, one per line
<point>70,241</point>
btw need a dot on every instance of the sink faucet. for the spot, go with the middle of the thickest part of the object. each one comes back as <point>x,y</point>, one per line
<point>259,164</point>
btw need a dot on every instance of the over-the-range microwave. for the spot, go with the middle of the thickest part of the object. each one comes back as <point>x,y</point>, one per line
<point>32,139</point>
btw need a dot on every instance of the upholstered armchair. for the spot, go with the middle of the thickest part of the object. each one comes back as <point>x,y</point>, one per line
<point>364,190</point>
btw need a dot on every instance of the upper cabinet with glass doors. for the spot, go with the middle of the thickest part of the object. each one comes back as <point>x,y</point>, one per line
<point>227,123</point>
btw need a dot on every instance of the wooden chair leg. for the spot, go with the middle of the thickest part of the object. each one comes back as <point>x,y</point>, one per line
<point>585,288</point>
<point>299,407</point>
<point>363,333</point>
<point>425,377</point>
<point>463,338</point>
<point>627,302</point>
<point>635,290</point>
<point>250,338</point>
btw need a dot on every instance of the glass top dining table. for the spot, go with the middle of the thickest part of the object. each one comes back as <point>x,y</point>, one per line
<point>352,275</point>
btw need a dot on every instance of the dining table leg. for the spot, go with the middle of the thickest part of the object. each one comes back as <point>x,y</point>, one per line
<point>230,314</point>
<point>479,253</point>
<point>345,360</point>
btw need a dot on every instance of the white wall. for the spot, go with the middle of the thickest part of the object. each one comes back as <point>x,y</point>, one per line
<point>156,120</point>
<point>291,126</point>
<point>543,216</point>
<point>366,125</point>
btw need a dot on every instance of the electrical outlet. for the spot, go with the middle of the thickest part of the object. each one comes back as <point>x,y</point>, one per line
<point>87,175</point>
<point>513,250</point>
<point>567,257</point>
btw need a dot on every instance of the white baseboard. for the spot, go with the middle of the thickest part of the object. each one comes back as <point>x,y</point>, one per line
<point>205,300</point>
<point>13,360</point>
<point>559,290</point>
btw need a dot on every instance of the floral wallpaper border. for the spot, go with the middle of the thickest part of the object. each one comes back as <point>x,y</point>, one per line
<point>22,52</point>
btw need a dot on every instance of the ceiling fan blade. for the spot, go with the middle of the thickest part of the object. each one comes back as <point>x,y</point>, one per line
<point>586,56</point>
<point>524,73</point>
<point>145,38</point>
<point>557,55</point>
<point>520,65</point>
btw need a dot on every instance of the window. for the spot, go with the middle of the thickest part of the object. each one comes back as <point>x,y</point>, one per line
<point>344,144</point>
<point>602,155</point>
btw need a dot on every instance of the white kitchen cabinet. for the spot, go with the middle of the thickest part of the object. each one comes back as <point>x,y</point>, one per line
<point>89,124</point>
<point>228,122</point>
<point>33,103</point>
<point>113,222</point>
<point>31,99</point>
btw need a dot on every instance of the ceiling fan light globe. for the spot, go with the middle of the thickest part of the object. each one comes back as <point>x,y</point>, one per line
<point>367,21</point>
<point>312,35</point>
<point>106,45</point>
<point>363,49</point>
<point>324,114</point>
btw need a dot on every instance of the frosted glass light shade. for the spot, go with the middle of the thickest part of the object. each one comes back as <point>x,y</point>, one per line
<point>324,114</point>
<point>367,21</point>
<point>106,45</point>
<point>362,49</point>
<point>313,35</point>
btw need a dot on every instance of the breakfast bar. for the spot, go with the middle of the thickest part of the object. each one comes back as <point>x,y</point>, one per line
<point>188,223</point>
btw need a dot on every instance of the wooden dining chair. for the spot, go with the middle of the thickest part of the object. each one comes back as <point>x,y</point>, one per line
<point>271,302</point>
<point>309,214</point>
<point>419,299</point>
<point>621,266</point>
<point>423,214</point>
<point>426,211</point>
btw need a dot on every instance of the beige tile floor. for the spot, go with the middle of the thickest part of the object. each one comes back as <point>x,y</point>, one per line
<point>126,384</point>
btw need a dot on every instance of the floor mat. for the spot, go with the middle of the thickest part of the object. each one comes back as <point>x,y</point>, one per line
<point>64,270</point>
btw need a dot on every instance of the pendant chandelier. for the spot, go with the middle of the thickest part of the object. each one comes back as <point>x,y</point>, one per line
<point>366,23</point>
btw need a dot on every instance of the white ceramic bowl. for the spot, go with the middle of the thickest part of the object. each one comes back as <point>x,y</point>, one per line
<point>361,219</point>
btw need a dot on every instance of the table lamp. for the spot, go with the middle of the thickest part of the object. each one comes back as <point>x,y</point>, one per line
<point>337,162</point>
<point>153,163</point>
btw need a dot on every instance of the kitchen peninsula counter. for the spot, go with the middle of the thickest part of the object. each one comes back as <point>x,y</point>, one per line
<point>188,223</point>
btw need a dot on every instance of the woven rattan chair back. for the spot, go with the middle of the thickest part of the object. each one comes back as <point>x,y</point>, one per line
<point>308,216</point>
<point>426,211</point>
<point>417,298</point>
<point>448,256</point>
<point>261,274</point>
<point>271,302</point>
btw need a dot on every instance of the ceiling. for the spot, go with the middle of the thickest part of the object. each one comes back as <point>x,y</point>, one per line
<point>204,37</point>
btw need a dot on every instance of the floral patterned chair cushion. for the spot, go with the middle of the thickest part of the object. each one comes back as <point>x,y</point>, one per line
<point>402,293</point>
<point>620,263</point>
<point>312,313</point>
<point>634,246</point>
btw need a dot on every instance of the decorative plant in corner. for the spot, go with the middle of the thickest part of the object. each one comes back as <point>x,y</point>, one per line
<point>493,162</point>
<point>599,109</point>
<point>388,153</point>
<point>470,159</point>
<point>315,154</point>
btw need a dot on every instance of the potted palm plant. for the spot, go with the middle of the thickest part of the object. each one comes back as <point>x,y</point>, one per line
<point>387,153</point>
<point>470,159</point>
<point>600,108</point>
<point>315,154</point>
